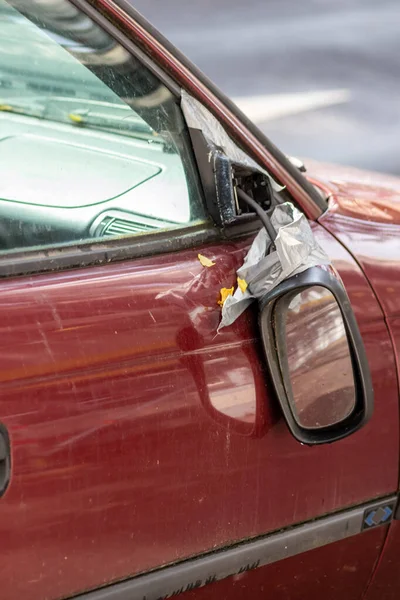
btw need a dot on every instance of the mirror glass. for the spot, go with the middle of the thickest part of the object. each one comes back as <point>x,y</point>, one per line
<point>315,359</point>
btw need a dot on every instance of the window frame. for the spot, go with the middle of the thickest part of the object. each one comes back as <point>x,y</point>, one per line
<point>311,200</point>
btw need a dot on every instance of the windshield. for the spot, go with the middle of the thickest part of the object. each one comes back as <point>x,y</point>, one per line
<point>54,86</point>
<point>92,143</point>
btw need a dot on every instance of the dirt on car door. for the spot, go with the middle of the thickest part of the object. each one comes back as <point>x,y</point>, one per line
<point>119,467</point>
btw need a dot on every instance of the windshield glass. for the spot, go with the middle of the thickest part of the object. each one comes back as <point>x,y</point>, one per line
<point>38,78</point>
<point>92,143</point>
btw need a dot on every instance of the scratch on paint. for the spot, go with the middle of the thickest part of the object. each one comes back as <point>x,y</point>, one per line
<point>152,316</point>
<point>56,317</point>
<point>228,442</point>
<point>46,343</point>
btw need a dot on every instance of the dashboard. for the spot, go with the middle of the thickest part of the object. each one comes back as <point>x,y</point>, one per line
<point>62,182</point>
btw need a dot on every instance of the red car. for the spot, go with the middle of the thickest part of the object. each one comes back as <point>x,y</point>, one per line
<point>146,451</point>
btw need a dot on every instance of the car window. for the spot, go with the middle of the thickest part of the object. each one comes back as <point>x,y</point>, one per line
<point>92,144</point>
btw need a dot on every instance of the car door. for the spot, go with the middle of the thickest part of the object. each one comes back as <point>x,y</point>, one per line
<point>144,453</point>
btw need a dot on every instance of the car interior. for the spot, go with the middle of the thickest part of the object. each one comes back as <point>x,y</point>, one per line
<point>91,143</point>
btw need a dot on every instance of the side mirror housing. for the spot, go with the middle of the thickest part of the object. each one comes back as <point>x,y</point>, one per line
<point>316,357</point>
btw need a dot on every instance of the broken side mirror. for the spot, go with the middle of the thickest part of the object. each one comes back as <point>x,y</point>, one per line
<point>316,357</point>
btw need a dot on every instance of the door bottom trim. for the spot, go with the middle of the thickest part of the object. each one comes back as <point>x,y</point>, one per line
<point>208,568</point>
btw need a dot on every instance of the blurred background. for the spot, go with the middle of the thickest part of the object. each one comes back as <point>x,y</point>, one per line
<point>320,77</point>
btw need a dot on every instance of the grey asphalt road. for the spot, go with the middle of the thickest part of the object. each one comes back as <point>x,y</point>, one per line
<point>268,47</point>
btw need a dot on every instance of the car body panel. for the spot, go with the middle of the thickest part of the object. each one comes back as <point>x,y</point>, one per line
<point>364,214</point>
<point>376,247</point>
<point>366,219</point>
<point>117,466</point>
<point>308,575</point>
<point>363,195</point>
<point>386,582</point>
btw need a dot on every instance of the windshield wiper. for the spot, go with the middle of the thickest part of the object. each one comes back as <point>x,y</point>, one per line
<point>28,110</point>
<point>119,119</point>
<point>128,124</point>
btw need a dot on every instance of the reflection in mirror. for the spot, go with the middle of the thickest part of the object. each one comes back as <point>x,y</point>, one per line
<point>315,359</point>
<point>227,383</point>
<point>231,386</point>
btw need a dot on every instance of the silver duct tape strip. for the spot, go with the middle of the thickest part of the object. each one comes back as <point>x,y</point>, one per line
<point>296,248</point>
<point>296,251</point>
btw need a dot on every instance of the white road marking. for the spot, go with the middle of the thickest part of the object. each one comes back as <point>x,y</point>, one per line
<point>275,106</point>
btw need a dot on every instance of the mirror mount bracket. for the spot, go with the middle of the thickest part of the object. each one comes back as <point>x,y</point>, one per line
<point>216,176</point>
<point>233,192</point>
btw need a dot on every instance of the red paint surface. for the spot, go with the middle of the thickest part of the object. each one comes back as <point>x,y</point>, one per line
<point>363,195</point>
<point>117,465</point>
<point>386,582</point>
<point>364,214</point>
<point>340,570</point>
<point>377,248</point>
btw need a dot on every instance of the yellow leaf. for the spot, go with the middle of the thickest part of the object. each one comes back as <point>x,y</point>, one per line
<point>242,283</point>
<point>225,292</point>
<point>75,118</point>
<point>206,262</point>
